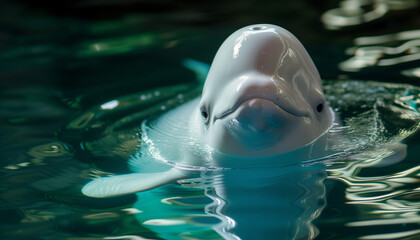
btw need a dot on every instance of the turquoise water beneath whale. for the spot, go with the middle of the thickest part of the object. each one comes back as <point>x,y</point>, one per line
<point>77,79</point>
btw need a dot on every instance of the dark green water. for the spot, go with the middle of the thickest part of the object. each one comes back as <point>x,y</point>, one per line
<point>60,61</point>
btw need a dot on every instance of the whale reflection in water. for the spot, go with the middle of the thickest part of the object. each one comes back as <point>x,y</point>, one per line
<point>268,203</point>
<point>263,203</point>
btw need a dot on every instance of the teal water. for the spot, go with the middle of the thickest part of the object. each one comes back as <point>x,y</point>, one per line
<point>61,65</point>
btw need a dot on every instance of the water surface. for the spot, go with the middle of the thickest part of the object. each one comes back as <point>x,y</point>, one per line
<point>61,68</point>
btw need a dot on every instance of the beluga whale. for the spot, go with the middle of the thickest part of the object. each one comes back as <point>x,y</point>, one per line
<point>262,105</point>
<point>263,95</point>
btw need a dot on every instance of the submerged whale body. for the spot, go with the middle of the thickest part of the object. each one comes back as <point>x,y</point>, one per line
<point>262,97</point>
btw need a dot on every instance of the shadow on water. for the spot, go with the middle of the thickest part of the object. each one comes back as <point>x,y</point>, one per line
<point>63,66</point>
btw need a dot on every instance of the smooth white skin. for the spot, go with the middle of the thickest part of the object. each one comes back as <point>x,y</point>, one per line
<point>261,95</point>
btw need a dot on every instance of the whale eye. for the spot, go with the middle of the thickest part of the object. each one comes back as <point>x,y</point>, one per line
<point>320,107</point>
<point>205,115</point>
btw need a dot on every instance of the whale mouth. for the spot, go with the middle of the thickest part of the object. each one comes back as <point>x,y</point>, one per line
<point>274,101</point>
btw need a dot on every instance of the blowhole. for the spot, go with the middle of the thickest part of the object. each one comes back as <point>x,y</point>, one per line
<point>256,28</point>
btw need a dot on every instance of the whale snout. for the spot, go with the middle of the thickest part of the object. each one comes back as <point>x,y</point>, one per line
<point>257,86</point>
<point>257,115</point>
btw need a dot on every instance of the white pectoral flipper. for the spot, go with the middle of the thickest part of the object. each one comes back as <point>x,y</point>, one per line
<point>129,183</point>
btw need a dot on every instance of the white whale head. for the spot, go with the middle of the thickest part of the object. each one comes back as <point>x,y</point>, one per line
<point>263,95</point>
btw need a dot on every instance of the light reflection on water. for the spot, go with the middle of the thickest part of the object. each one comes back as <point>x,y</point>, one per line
<point>384,51</point>
<point>383,200</point>
<point>355,13</point>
